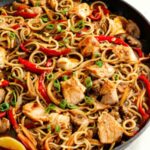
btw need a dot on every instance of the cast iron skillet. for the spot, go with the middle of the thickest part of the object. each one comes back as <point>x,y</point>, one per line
<point>122,8</point>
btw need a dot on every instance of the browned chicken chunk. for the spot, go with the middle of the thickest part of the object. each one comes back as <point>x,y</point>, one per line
<point>82,10</point>
<point>73,90</point>
<point>88,46</point>
<point>2,57</point>
<point>35,111</point>
<point>59,119</point>
<point>2,95</point>
<point>109,93</point>
<point>100,72</point>
<point>4,125</point>
<point>125,53</point>
<point>109,130</point>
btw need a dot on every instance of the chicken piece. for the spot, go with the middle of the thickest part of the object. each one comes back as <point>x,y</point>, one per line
<point>133,29</point>
<point>66,63</point>
<point>59,119</point>
<point>37,10</point>
<point>101,72</point>
<point>109,92</point>
<point>117,26</point>
<point>35,111</point>
<point>109,130</point>
<point>73,90</point>
<point>2,57</point>
<point>4,125</point>
<point>78,117</point>
<point>88,46</point>
<point>81,10</point>
<point>125,54</point>
<point>2,95</point>
<point>52,3</point>
<point>38,2</point>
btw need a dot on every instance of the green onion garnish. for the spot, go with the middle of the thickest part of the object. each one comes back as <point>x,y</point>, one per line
<point>88,82</point>
<point>4,107</point>
<point>116,77</point>
<point>64,11</point>
<point>48,127</point>
<point>50,27</point>
<point>57,128</point>
<point>59,28</point>
<point>97,55</point>
<point>12,35</point>
<point>63,104</point>
<point>57,85</point>
<point>44,19</point>
<point>81,24</point>
<point>99,63</point>
<point>50,108</point>
<point>14,99</point>
<point>89,100</point>
<point>71,106</point>
<point>65,77</point>
<point>50,76</point>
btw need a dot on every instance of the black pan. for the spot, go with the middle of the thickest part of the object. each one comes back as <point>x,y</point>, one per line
<point>122,8</point>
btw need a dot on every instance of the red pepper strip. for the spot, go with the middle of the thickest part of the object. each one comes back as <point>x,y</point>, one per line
<point>139,52</point>
<point>111,39</point>
<point>146,82</point>
<point>95,15</point>
<point>4,83</point>
<point>143,113</point>
<point>2,114</point>
<point>58,37</point>
<point>78,34</point>
<point>49,63</point>
<point>50,52</point>
<point>105,10</point>
<point>22,46</point>
<point>42,89</point>
<point>30,66</point>
<point>15,27</point>
<point>12,118</point>
<point>22,6</point>
<point>26,15</point>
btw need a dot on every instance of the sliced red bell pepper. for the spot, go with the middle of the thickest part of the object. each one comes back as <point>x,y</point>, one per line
<point>4,83</point>
<point>111,39</point>
<point>31,66</point>
<point>58,37</point>
<point>146,82</point>
<point>138,51</point>
<point>25,14</point>
<point>22,46</point>
<point>48,63</point>
<point>50,52</point>
<point>2,114</point>
<point>144,115</point>
<point>105,10</point>
<point>95,16</point>
<point>42,89</point>
<point>15,27</point>
<point>12,118</point>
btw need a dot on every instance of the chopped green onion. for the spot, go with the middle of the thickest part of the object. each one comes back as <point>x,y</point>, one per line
<point>99,63</point>
<point>50,108</point>
<point>50,76</point>
<point>59,28</point>
<point>1,20</point>
<point>64,11</point>
<point>57,128</point>
<point>12,35</point>
<point>61,44</point>
<point>14,99</point>
<point>4,107</point>
<point>81,24</point>
<point>65,77</point>
<point>71,106</point>
<point>89,100</point>
<point>48,127</point>
<point>116,77</point>
<point>44,19</point>
<point>63,104</point>
<point>88,82</point>
<point>50,27</point>
<point>57,85</point>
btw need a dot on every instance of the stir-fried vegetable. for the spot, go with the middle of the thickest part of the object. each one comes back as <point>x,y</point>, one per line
<point>4,107</point>
<point>88,82</point>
